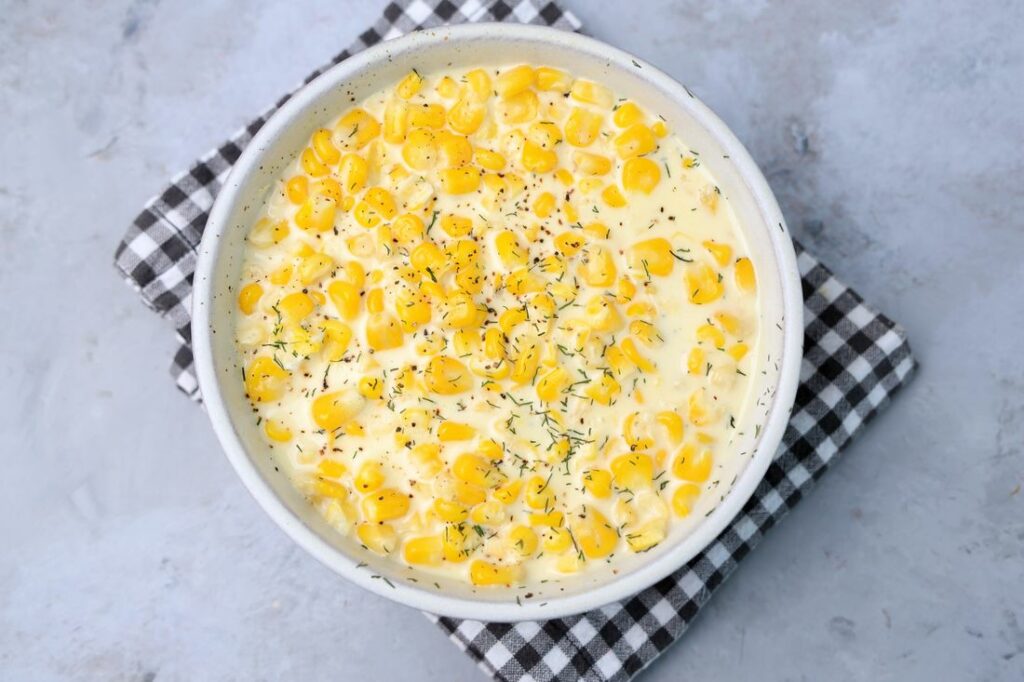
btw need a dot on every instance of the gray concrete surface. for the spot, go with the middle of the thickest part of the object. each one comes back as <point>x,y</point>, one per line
<point>892,133</point>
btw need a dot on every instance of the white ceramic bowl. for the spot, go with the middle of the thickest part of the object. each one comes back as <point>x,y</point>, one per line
<point>221,254</point>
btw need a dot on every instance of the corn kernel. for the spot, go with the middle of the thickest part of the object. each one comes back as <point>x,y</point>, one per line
<point>356,128</point>
<point>703,284</point>
<point>353,172</point>
<point>460,180</point>
<point>427,459</point>
<point>452,431</point>
<point>538,494</point>
<point>721,252</point>
<point>248,297</point>
<point>553,80</point>
<point>336,338</point>
<point>371,388</point>
<point>266,232</point>
<point>598,483</point>
<point>297,189</point>
<point>659,129</point>
<point>613,197</point>
<point>647,536</point>
<point>684,499</point>
<point>640,175</point>
<point>447,87</point>
<point>745,278</point>
<point>591,93</point>
<point>316,213</point>
<point>466,116</point>
<point>369,477</point>
<point>423,551</point>
<point>627,114</point>
<point>591,164</point>
<point>595,535</point>
<point>538,160</point>
<point>447,376</point>
<point>489,160</point>
<point>582,127</point>
<point>314,267</point>
<point>312,165</point>
<point>633,471</point>
<point>630,350</point>
<point>485,573</point>
<point>691,465</point>
<point>409,85</point>
<point>711,334</point>
<point>383,331</point>
<point>324,148</point>
<point>636,140</point>
<point>514,81</point>
<point>597,267</point>
<point>378,537</point>
<point>385,505</point>
<point>277,431</point>
<point>332,410</point>
<point>396,121</point>
<point>738,351</point>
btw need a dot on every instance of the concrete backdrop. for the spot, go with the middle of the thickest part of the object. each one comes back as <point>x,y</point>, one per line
<point>892,133</point>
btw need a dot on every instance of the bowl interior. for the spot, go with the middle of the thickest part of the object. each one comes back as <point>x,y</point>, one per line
<point>282,139</point>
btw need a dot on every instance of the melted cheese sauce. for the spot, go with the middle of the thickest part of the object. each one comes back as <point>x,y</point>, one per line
<point>498,325</point>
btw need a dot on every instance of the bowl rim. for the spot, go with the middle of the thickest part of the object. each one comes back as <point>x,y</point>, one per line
<point>440,603</point>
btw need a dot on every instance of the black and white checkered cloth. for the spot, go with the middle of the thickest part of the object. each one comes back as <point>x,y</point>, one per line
<point>854,360</point>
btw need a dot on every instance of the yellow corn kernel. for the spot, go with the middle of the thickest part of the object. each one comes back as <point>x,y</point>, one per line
<point>371,388</point>
<point>332,410</point>
<point>472,469</point>
<point>640,175</point>
<point>518,108</point>
<point>510,318</point>
<point>384,505</point>
<point>652,257</point>
<point>633,471</point>
<point>595,536</point>
<point>538,494</point>
<point>554,519</point>
<point>700,413</point>
<point>538,160</point>
<point>408,229</point>
<point>551,383</point>
<point>627,114</point>
<point>582,127</point>
<point>324,148</point>
<point>396,118</point>
<point>316,213</point>
<point>636,140</point>
<point>295,307</point>
<point>489,160</point>
<point>684,499</point>
<point>466,115</point>
<point>451,431</point>
<point>604,390</point>
<point>353,172</point>
<point>248,297</point>
<point>646,536</point>
<point>413,309</point>
<point>485,573</point>
<point>460,311</point>
<point>515,80</point>
<point>709,197</point>
<point>602,315</point>
<point>313,267</point>
<point>447,87</point>
<point>427,258</point>
<point>331,468</point>
<point>544,205</point>
<point>494,344</point>
<point>460,180</point>
<point>591,164</point>
<point>447,376</point>
<point>631,352</point>
<point>544,134</point>
<point>369,477</point>
<point>613,197</point>
<point>328,187</point>
<point>377,205</point>
<point>423,551</point>
<point>721,252</point>
<point>745,278</point>
<point>557,540</point>
<point>277,431</point>
<point>420,149</point>
<point>626,290</point>
<point>356,128</point>
<point>479,84</point>
<point>729,323</point>
<point>597,267</point>
<point>553,80</point>
<point>427,458</point>
<point>297,189</point>
<point>591,93</point>
<point>598,483</point>
<point>378,537</point>
<point>410,85</point>
<point>703,284</point>
<point>695,361</point>
<point>738,351</point>
<point>345,297</point>
<point>508,493</point>
<point>659,129</point>
<point>521,281</point>
<point>564,177</point>
<point>337,336</point>
<point>330,489</point>
<point>266,232</point>
<point>673,424</point>
<point>450,510</point>
<point>455,150</point>
<point>312,165</point>
<point>712,335</point>
<point>691,465</point>
<point>645,331</point>
<point>383,331</point>
<point>524,539</point>
<point>597,230</point>
<point>375,300</point>
<point>489,513</point>
<point>510,251</point>
<point>525,366</point>
<point>426,116</point>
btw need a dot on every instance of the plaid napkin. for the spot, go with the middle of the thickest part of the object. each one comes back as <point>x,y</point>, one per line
<point>855,359</point>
